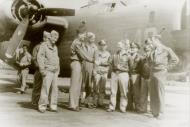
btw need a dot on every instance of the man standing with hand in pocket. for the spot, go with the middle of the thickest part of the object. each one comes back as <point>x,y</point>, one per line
<point>49,68</point>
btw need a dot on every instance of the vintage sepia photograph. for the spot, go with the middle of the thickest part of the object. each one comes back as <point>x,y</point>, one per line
<point>95,63</point>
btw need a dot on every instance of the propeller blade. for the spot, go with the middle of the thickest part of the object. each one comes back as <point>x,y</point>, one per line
<point>57,11</point>
<point>17,38</point>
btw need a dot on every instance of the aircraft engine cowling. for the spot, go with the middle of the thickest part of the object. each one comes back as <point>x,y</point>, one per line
<point>15,11</point>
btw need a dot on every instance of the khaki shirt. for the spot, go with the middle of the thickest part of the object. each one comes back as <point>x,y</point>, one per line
<point>47,57</point>
<point>74,54</point>
<point>25,59</point>
<point>104,58</point>
<point>78,53</point>
<point>163,59</point>
<point>90,51</point>
<point>120,62</point>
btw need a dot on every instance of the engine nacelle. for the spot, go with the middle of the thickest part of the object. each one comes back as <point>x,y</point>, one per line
<point>15,11</point>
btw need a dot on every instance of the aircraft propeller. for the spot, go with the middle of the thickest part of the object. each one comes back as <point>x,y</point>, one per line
<point>27,12</point>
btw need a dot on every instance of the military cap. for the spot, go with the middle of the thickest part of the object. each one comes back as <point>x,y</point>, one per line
<point>102,43</point>
<point>134,45</point>
<point>90,35</point>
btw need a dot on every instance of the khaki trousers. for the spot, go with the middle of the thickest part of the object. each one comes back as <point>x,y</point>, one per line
<point>157,92</point>
<point>99,88</point>
<point>119,80</point>
<point>76,82</point>
<point>144,92</point>
<point>23,74</point>
<point>136,86</point>
<point>49,90</point>
<point>36,87</point>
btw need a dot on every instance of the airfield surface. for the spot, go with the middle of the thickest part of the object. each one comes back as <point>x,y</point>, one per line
<point>16,110</point>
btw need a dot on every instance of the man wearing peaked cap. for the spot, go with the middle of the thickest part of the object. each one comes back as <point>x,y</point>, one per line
<point>134,71</point>
<point>101,67</point>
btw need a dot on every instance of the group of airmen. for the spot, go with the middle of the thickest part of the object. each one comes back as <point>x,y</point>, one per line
<point>135,73</point>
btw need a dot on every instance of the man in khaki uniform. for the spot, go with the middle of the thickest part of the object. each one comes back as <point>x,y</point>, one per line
<point>101,67</point>
<point>37,76</point>
<point>119,78</point>
<point>135,78</point>
<point>24,61</point>
<point>77,56</point>
<point>87,69</point>
<point>145,76</point>
<point>162,59</point>
<point>49,68</point>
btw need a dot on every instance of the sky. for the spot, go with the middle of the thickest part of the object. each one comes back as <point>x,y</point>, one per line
<point>76,4</point>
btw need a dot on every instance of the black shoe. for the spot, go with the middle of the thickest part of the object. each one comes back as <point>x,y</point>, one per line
<point>102,106</point>
<point>90,106</point>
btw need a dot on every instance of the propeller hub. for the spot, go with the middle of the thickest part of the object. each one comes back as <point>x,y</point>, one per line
<point>22,8</point>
